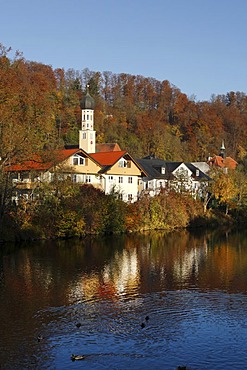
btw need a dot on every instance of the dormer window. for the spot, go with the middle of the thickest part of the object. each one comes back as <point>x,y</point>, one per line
<point>121,163</point>
<point>163,170</point>
<point>124,163</point>
<point>77,160</point>
<point>197,173</point>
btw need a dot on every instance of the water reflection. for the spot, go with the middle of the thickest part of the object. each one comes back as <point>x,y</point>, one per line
<point>193,287</point>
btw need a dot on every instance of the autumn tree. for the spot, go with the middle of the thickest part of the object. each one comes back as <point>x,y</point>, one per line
<point>27,120</point>
<point>224,189</point>
<point>240,182</point>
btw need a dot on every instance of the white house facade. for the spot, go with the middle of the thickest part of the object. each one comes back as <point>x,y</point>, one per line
<point>180,176</point>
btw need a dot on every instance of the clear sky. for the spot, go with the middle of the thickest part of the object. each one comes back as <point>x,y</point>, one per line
<point>197,45</point>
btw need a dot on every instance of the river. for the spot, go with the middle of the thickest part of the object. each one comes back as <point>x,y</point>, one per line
<point>152,301</point>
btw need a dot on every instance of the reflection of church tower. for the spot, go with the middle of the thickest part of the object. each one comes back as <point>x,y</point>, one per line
<point>87,135</point>
<point>223,150</point>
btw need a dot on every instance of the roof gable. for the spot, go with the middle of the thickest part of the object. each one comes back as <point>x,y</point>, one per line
<point>108,158</point>
<point>46,161</point>
<point>183,170</point>
<point>197,173</point>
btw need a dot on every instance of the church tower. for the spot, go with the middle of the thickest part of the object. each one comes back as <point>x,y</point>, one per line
<point>87,135</point>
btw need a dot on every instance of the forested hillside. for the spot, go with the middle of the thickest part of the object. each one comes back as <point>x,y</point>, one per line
<point>39,108</point>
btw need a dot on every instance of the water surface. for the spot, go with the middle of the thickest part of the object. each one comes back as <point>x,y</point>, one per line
<point>132,302</point>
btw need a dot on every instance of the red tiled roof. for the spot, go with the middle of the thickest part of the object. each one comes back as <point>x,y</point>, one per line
<point>29,165</point>
<point>108,147</point>
<point>227,162</point>
<point>108,158</point>
<point>39,164</point>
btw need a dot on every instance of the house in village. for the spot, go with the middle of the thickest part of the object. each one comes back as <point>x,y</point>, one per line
<point>121,173</point>
<point>222,161</point>
<point>75,164</point>
<point>180,176</point>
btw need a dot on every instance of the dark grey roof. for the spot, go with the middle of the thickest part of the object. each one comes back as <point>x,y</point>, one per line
<point>153,167</point>
<point>201,175</point>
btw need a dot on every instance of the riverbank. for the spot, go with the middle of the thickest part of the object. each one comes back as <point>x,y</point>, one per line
<point>12,231</point>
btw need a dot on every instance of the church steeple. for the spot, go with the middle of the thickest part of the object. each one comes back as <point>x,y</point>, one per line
<point>222,150</point>
<point>87,134</point>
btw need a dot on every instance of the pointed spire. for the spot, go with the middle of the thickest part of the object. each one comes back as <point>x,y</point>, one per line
<point>222,150</point>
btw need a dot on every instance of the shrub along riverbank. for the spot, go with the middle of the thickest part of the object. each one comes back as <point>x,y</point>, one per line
<point>75,211</point>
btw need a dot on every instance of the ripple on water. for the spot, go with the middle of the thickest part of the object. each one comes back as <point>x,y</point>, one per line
<point>190,327</point>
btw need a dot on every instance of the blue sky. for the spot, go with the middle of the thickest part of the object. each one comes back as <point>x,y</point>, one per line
<point>197,45</point>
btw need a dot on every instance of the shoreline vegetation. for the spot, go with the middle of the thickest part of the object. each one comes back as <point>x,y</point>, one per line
<point>80,211</point>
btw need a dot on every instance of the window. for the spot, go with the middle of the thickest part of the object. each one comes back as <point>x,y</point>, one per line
<point>130,180</point>
<point>130,197</point>
<point>124,163</point>
<point>84,135</point>
<point>120,196</point>
<point>88,178</point>
<point>110,178</point>
<point>87,116</point>
<point>120,179</point>
<point>163,170</point>
<point>197,173</point>
<point>24,175</point>
<point>78,160</point>
<point>77,178</point>
<point>121,163</point>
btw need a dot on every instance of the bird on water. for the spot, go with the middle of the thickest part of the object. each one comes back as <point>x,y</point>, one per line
<point>77,357</point>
